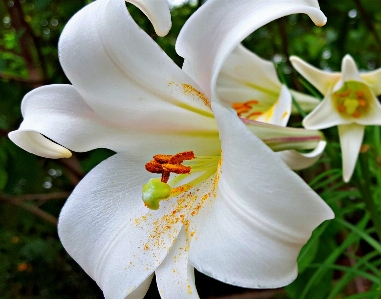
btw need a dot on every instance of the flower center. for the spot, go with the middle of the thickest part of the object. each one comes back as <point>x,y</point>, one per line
<point>352,100</point>
<point>160,189</point>
<point>247,110</point>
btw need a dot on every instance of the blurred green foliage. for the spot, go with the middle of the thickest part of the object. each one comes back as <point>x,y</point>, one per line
<point>341,260</point>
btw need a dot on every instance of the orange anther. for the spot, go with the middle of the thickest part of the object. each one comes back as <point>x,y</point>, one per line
<point>162,158</point>
<point>176,168</point>
<point>362,102</point>
<point>254,114</point>
<point>356,114</point>
<point>181,157</point>
<point>165,164</point>
<point>246,107</point>
<point>252,102</point>
<point>360,94</point>
<point>341,108</point>
<point>344,94</point>
<point>236,106</point>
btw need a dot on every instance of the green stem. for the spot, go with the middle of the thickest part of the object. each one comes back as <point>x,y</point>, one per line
<point>363,184</point>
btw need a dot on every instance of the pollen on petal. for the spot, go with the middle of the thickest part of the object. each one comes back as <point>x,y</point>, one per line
<point>189,89</point>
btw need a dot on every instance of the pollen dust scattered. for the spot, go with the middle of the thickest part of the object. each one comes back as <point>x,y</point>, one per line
<point>189,89</point>
<point>165,229</point>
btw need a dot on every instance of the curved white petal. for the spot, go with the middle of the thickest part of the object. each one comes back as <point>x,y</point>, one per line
<point>306,102</point>
<point>373,80</point>
<point>175,276</point>
<point>324,116</point>
<point>157,11</point>
<point>235,20</point>
<point>35,143</point>
<point>351,137</point>
<point>243,67</point>
<point>106,228</point>
<point>127,78</point>
<point>262,215</point>
<point>59,113</point>
<point>280,111</point>
<point>297,161</point>
<point>349,69</point>
<point>323,81</point>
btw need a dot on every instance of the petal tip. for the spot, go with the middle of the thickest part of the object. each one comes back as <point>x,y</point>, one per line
<point>318,17</point>
<point>157,11</point>
<point>35,143</point>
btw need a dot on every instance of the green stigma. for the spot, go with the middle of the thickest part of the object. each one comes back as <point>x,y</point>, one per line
<point>155,191</point>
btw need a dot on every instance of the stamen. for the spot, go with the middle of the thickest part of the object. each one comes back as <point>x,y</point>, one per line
<point>247,109</point>
<point>352,100</point>
<point>160,189</point>
<point>165,164</point>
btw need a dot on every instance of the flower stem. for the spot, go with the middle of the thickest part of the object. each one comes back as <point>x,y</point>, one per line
<point>363,184</point>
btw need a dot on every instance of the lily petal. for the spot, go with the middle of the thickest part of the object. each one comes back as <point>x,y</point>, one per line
<point>323,81</point>
<point>106,228</point>
<point>373,115</point>
<point>297,161</point>
<point>242,69</point>
<point>235,20</point>
<point>373,80</point>
<point>349,69</point>
<point>175,276</point>
<point>351,137</point>
<point>324,116</point>
<point>59,113</point>
<point>139,87</point>
<point>157,11</point>
<point>280,112</point>
<point>239,223</point>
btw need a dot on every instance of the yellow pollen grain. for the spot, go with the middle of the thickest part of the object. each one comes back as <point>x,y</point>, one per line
<point>189,89</point>
<point>166,228</point>
<point>284,114</point>
<point>218,176</point>
<point>189,289</point>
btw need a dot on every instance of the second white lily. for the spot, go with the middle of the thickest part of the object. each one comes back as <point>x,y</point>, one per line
<point>350,103</point>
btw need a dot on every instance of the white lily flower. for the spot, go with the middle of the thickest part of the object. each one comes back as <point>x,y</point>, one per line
<point>233,208</point>
<point>250,85</point>
<point>350,103</point>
